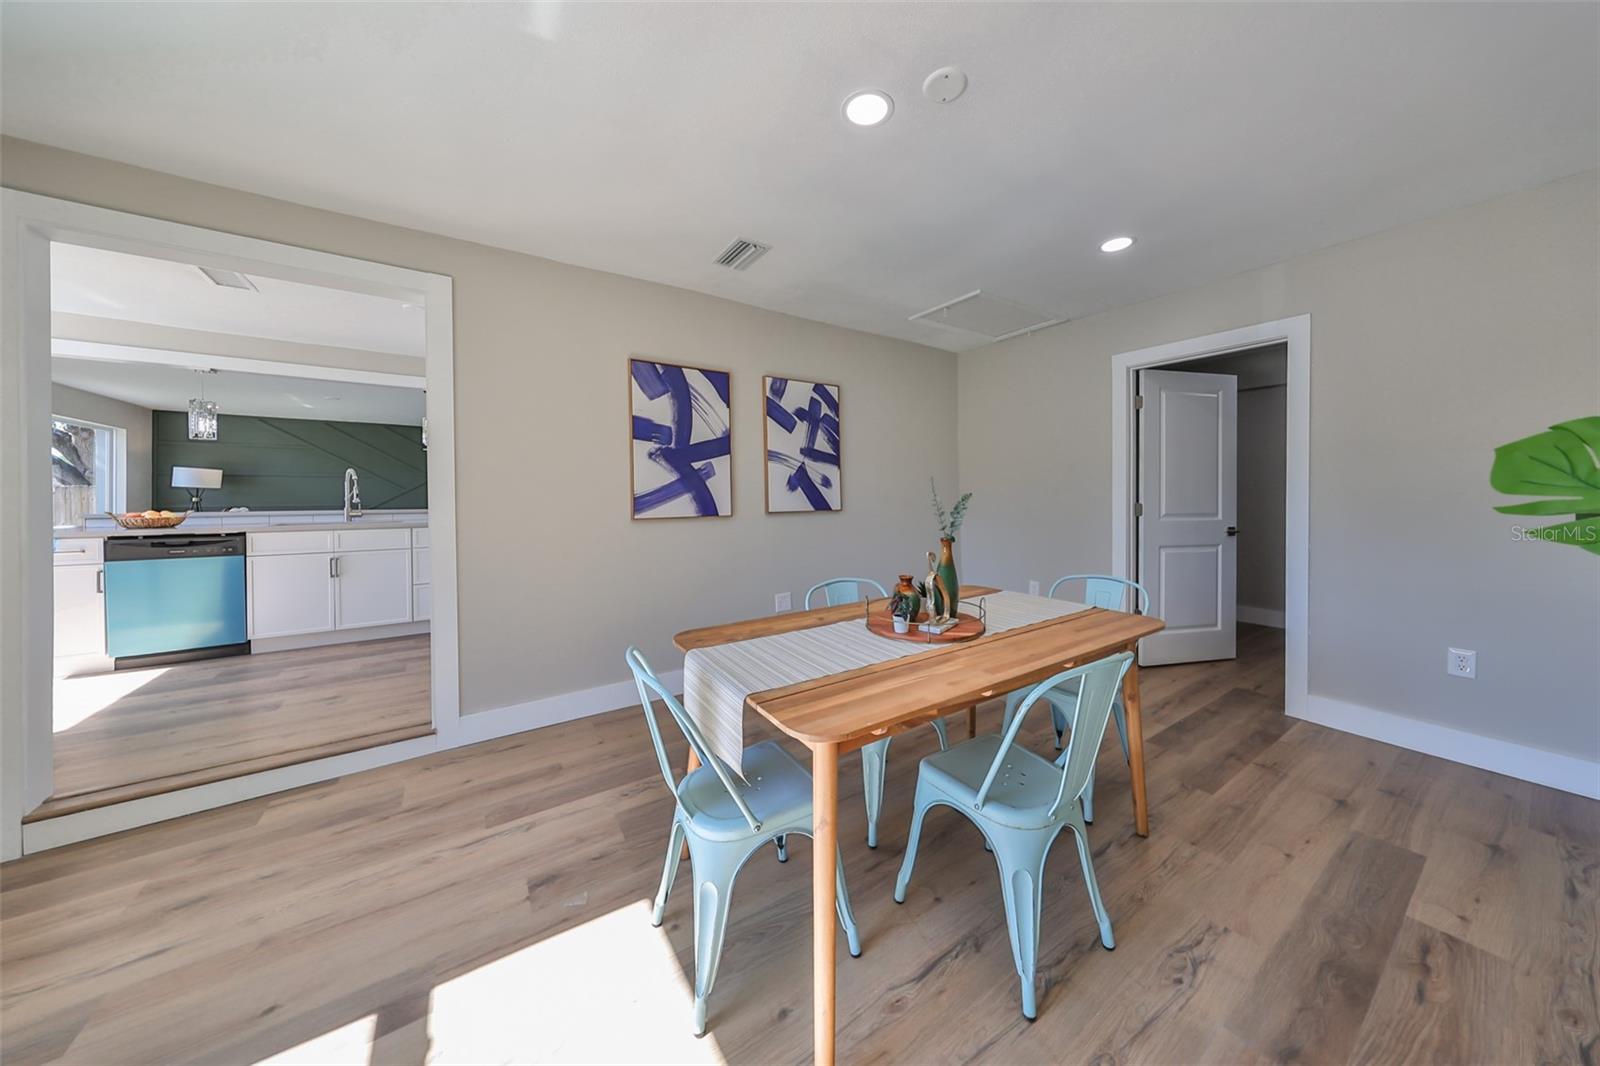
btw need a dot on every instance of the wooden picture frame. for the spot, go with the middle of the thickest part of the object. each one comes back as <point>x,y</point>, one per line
<point>698,402</point>
<point>802,476</point>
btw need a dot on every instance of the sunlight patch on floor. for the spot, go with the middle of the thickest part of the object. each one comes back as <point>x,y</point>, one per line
<point>77,699</point>
<point>609,990</point>
<point>348,1045</point>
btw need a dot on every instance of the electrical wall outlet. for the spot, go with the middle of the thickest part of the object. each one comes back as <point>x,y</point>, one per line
<point>1461,663</point>
<point>1033,587</point>
<point>782,601</point>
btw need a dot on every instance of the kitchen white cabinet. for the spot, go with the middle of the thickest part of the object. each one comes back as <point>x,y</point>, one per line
<point>421,602</point>
<point>373,588</point>
<point>80,611</point>
<point>291,594</point>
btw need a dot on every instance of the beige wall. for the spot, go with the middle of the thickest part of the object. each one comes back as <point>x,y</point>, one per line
<point>1261,375</point>
<point>1430,345</point>
<point>555,579</point>
<point>1262,431</point>
<point>132,419</point>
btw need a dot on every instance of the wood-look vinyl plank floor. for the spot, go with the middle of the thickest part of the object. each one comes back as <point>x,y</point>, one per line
<point>172,723</point>
<point>1304,894</point>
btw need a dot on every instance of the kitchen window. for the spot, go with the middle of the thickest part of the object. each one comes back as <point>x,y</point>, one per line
<point>87,462</point>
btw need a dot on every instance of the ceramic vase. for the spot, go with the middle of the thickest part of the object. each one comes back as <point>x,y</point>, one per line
<point>908,592</point>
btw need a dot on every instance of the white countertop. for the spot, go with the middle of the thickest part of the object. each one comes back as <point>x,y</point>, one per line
<point>213,522</point>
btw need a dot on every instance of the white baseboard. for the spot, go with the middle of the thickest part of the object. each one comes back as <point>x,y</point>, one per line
<point>534,714</point>
<point>1565,772</point>
<point>1259,616</point>
<point>260,645</point>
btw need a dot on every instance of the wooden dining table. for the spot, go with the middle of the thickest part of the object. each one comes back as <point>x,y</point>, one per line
<point>842,712</point>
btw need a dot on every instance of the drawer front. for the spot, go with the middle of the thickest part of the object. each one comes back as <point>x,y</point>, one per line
<point>302,542</point>
<point>366,540</point>
<point>75,551</point>
<point>421,603</point>
<point>419,537</point>
<point>421,567</point>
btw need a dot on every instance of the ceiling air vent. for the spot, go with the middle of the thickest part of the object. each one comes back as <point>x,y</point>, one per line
<point>986,316</point>
<point>741,253</point>
<point>228,279</point>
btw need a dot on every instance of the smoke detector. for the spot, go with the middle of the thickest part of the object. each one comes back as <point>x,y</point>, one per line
<point>741,253</point>
<point>944,84</point>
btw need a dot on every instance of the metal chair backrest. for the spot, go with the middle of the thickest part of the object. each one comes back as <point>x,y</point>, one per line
<point>840,590</point>
<point>1100,682</point>
<point>647,681</point>
<point>1104,590</point>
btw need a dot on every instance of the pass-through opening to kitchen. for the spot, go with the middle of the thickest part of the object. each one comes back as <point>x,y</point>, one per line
<point>239,494</point>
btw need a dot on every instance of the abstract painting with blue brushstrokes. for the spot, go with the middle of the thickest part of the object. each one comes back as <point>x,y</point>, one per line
<point>803,465</point>
<point>682,462</point>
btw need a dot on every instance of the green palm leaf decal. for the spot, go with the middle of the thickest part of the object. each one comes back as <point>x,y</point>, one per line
<point>1562,465</point>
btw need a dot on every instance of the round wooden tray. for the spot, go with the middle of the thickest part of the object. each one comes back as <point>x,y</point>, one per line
<point>968,628</point>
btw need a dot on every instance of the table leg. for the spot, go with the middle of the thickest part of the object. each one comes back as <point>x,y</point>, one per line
<point>1135,716</point>
<point>824,869</point>
<point>972,721</point>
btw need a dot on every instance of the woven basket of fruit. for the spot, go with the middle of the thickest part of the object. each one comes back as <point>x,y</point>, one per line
<point>149,519</point>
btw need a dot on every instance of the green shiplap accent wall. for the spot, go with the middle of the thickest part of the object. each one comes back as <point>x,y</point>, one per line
<point>291,463</point>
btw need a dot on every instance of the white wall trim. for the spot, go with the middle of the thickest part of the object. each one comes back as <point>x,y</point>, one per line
<point>127,353</point>
<point>1259,616</point>
<point>535,714</point>
<point>1296,334</point>
<point>1553,769</point>
<point>114,818</point>
<point>28,225</point>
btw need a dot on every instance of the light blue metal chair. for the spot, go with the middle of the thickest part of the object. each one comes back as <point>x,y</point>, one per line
<point>839,590</point>
<point>1021,802</point>
<point>725,821</point>
<point>1111,593</point>
<point>875,756</point>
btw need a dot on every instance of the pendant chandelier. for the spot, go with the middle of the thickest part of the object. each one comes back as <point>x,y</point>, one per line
<point>203,414</point>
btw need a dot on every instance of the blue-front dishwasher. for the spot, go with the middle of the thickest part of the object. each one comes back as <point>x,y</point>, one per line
<point>172,598</point>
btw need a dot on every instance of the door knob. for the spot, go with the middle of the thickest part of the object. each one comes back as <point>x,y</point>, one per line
<point>1233,531</point>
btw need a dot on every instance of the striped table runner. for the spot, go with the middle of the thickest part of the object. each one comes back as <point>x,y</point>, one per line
<point>717,680</point>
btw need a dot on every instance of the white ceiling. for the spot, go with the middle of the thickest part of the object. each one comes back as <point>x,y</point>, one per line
<point>641,139</point>
<point>92,281</point>
<point>169,388</point>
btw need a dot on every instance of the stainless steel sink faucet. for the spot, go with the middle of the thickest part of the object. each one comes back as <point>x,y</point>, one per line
<point>352,494</point>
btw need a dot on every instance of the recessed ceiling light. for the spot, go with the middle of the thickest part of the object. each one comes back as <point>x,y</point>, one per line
<point>869,107</point>
<point>1117,244</point>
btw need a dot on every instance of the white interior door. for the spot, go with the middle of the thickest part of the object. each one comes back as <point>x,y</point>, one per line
<point>1188,492</point>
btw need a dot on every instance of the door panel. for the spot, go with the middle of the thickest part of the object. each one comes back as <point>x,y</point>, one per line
<point>290,594</point>
<point>1190,575</point>
<point>80,612</point>
<point>374,588</point>
<point>155,606</point>
<point>1188,485</point>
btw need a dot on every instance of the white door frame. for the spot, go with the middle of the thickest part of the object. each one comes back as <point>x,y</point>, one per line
<point>28,225</point>
<point>1296,333</point>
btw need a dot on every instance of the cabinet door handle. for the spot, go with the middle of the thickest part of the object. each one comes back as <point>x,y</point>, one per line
<point>100,581</point>
<point>333,566</point>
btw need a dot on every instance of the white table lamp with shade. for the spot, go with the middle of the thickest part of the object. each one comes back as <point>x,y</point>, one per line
<point>196,479</point>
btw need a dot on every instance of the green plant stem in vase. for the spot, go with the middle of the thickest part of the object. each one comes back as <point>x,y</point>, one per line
<point>949,526</point>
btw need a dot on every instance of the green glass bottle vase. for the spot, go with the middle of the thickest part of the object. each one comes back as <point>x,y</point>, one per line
<point>947,574</point>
